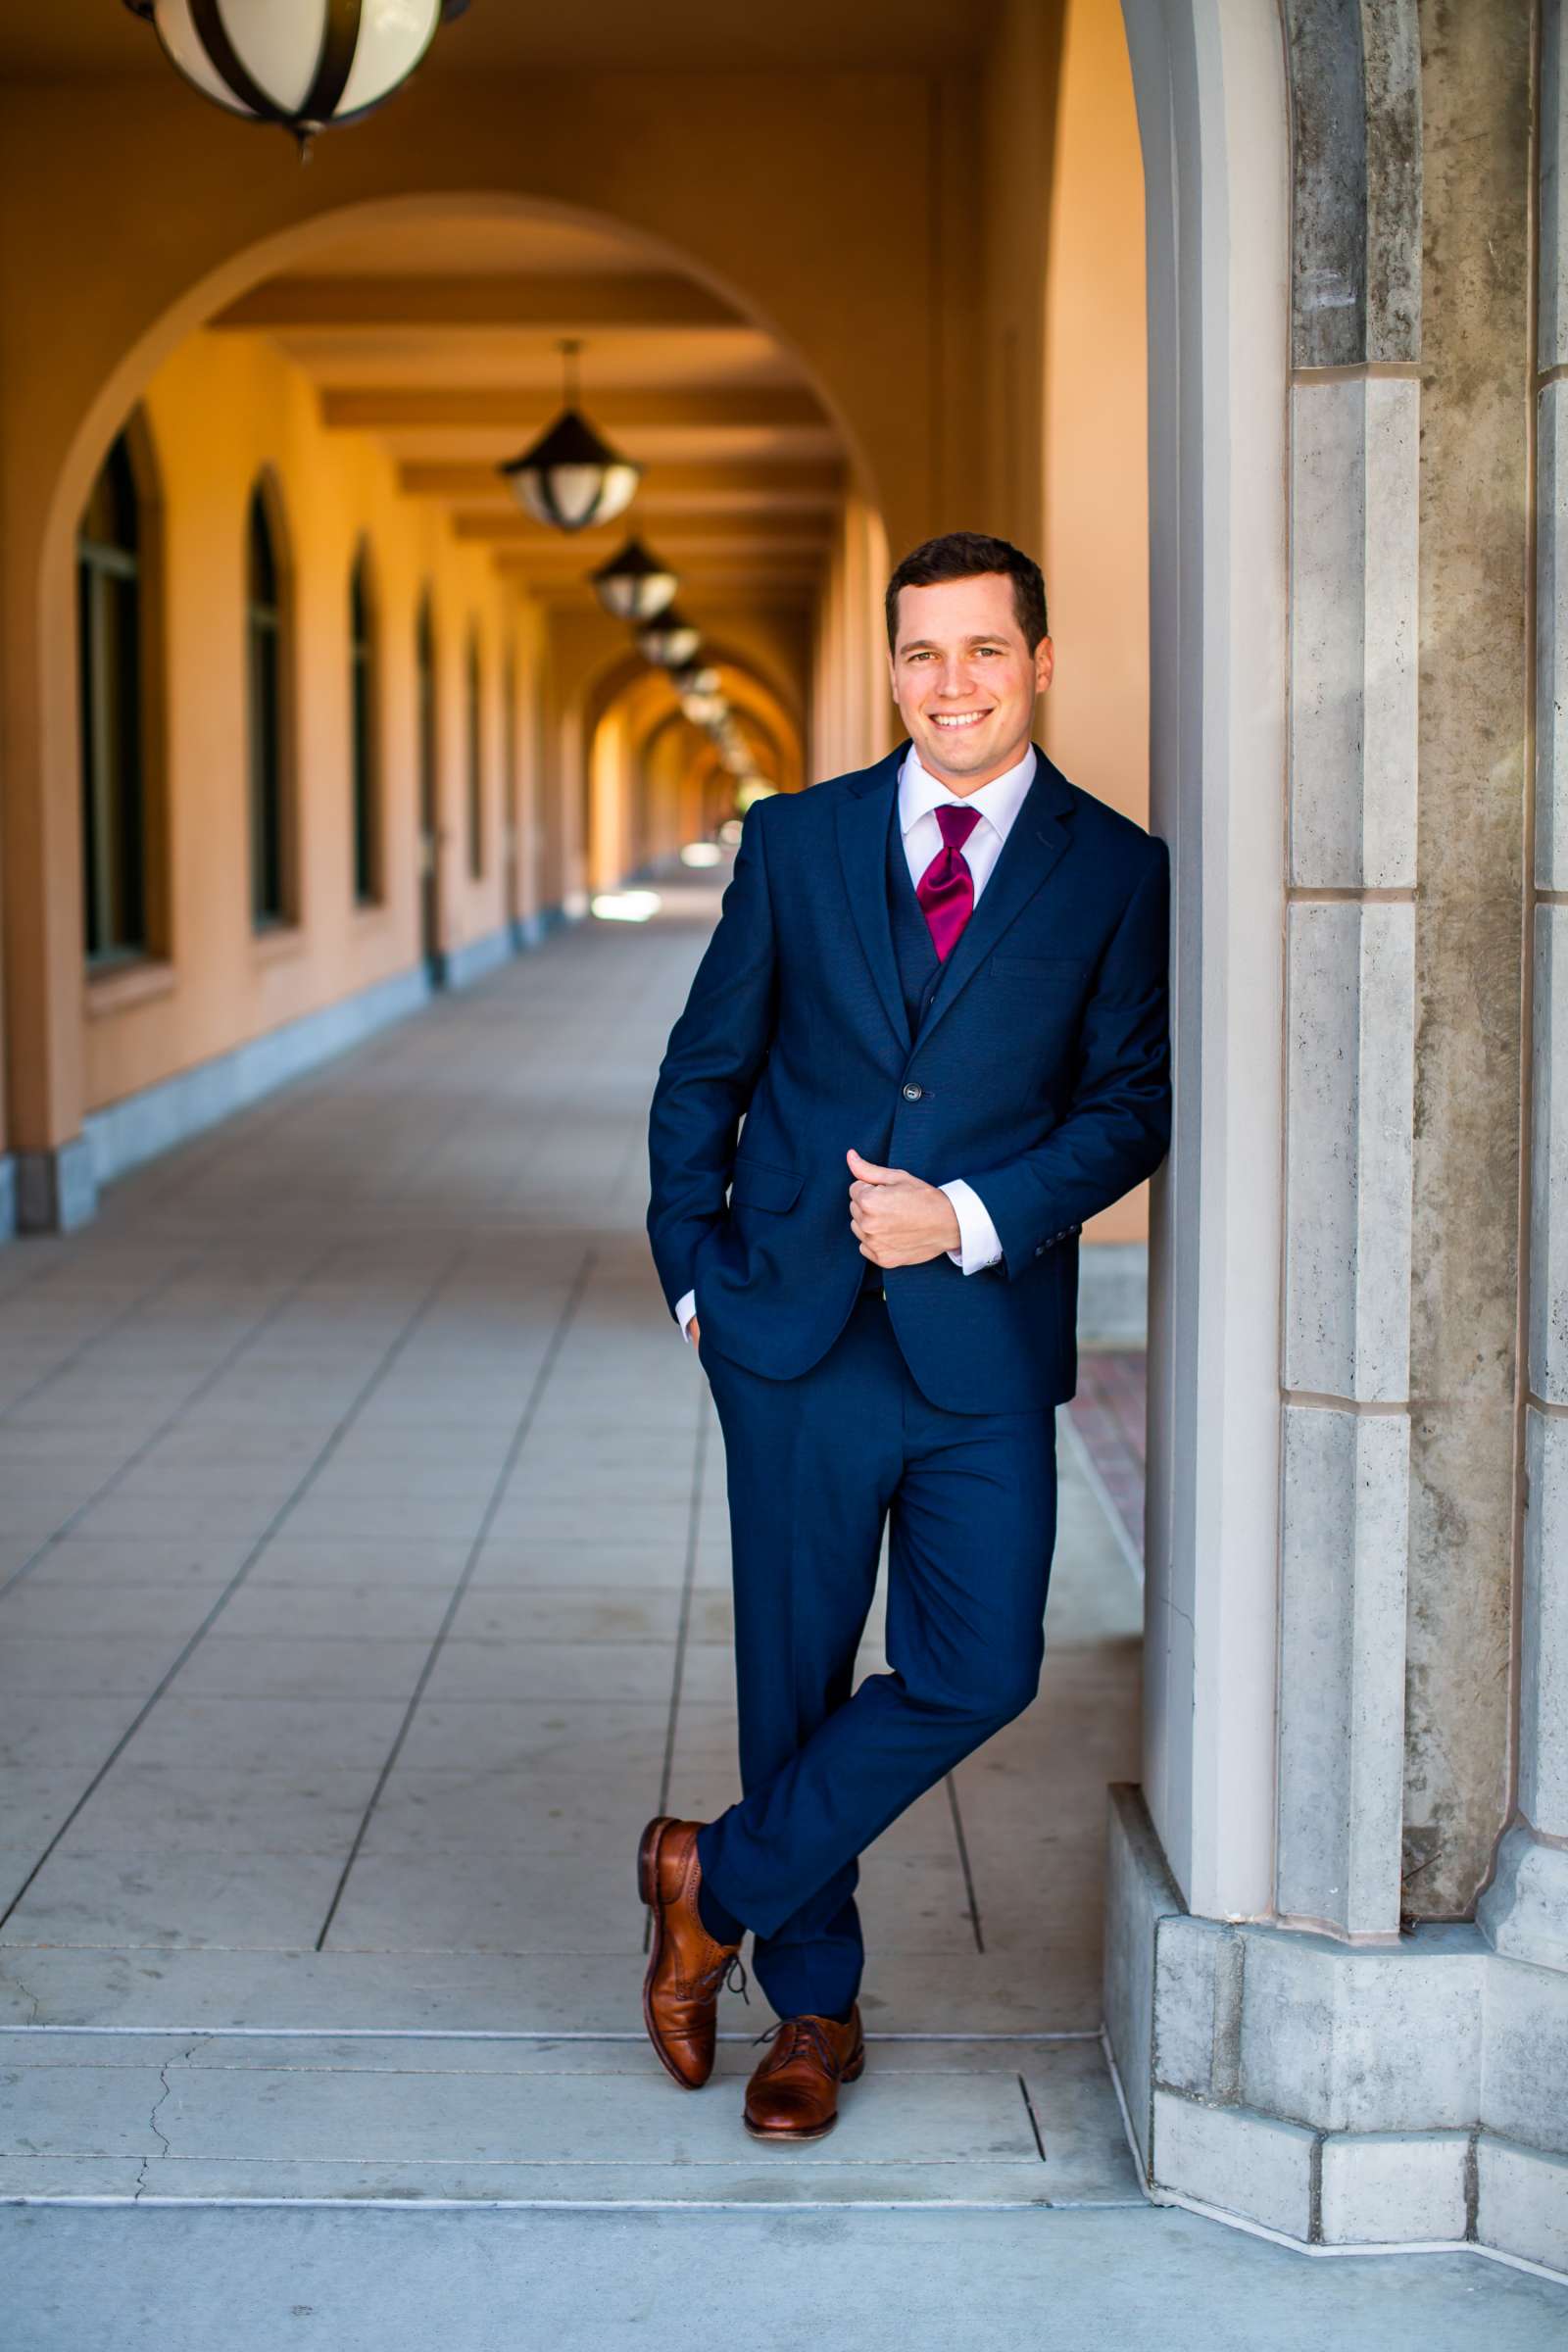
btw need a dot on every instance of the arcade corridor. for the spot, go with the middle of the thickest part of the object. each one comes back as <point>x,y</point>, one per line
<point>366,1588</point>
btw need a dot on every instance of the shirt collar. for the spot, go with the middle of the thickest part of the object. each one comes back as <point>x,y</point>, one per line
<point>997,802</point>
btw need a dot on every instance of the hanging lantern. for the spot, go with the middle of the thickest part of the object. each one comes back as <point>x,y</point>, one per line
<point>571,478</point>
<point>302,64</point>
<point>671,639</point>
<point>634,585</point>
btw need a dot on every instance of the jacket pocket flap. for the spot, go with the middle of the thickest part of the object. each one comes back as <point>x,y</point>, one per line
<point>761,1186</point>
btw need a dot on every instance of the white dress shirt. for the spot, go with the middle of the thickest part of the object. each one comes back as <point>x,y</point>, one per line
<point>921,796</point>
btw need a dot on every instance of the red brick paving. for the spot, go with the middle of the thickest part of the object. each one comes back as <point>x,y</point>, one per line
<point>1109,1414</point>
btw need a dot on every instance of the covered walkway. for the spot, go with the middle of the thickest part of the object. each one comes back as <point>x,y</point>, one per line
<point>365,1588</point>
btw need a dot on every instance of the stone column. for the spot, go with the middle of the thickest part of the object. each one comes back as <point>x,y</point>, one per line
<point>1525,1909</point>
<point>41,945</point>
<point>1350,1059</point>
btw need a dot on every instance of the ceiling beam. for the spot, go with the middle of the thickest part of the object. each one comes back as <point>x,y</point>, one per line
<point>791,597</point>
<point>722,535</point>
<point>483,408</point>
<point>691,562</point>
<point>558,305</point>
<point>668,489</point>
<point>700,576</point>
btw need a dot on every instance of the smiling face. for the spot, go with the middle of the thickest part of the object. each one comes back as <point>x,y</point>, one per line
<point>964,680</point>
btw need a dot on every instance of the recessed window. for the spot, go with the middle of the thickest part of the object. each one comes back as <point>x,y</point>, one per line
<point>365,746</point>
<point>266,650</point>
<point>112,625</point>
<point>509,776</point>
<point>475,761</point>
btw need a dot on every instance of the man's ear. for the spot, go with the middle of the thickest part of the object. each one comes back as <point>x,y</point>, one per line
<point>1044,663</point>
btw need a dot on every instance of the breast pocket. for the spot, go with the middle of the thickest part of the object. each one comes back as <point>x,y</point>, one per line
<point>758,1183</point>
<point>1056,970</point>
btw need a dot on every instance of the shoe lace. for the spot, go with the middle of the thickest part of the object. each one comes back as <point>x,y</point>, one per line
<point>802,2034</point>
<point>727,1975</point>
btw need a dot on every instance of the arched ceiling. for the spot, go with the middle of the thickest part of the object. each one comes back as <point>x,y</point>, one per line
<point>441,341</point>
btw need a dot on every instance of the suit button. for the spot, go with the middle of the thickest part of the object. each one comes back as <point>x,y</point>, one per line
<point>1040,1248</point>
<point>914,1093</point>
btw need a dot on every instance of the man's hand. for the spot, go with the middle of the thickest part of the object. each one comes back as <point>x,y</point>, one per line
<point>691,1331</point>
<point>898,1219</point>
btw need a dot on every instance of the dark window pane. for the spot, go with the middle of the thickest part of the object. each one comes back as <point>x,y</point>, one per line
<point>110,695</point>
<point>362,723</point>
<point>265,667</point>
<point>475,767</point>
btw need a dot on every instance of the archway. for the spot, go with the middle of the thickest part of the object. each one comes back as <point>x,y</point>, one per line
<point>269,288</point>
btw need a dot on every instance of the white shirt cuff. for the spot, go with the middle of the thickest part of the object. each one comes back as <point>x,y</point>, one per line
<point>979,1243</point>
<point>685,1309</point>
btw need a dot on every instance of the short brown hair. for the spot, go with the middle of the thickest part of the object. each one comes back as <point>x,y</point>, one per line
<point>964,556</point>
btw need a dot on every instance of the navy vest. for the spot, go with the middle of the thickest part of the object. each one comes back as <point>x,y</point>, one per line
<point>919,965</point>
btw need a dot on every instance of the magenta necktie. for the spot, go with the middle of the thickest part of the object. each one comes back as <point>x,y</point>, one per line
<point>946,890</point>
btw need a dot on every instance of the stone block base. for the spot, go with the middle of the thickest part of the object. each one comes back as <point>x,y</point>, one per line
<point>1342,2096</point>
<point>56,1190</point>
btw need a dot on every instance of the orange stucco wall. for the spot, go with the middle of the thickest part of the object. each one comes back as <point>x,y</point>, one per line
<point>1066,407</point>
<point>1095,539</point>
<point>219,411</point>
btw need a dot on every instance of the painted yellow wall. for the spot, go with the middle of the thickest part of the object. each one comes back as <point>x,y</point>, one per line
<point>1066,402</point>
<point>1094,538</point>
<point>852,716</point>
<point>219,411</point>
<point>1095,541</point>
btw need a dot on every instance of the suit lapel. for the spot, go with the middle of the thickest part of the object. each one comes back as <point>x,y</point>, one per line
<point>1038,838</point>
<point>863,818</point>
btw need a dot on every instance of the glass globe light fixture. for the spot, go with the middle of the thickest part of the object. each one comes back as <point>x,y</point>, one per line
<point>301,63</point>
<point>570,477</point>
<point>671,639</point>
<point>634,585</point>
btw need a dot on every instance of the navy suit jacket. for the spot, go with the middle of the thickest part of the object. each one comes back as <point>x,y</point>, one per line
<point>1039,1072</point>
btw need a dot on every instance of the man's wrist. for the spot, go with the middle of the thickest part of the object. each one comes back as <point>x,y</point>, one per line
<point>979,1243</point>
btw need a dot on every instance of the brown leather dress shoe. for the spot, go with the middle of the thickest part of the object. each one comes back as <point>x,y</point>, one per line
<point>685,1966</point>
<point>793,2094</point>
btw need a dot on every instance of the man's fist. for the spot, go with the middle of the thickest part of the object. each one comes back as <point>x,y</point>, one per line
<point>899,1219</point>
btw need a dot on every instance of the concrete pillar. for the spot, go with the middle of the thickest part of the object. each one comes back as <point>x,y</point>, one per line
<point>1525,1909</point>
<point>1211,106</point>
<point>1471,953</point>
<point>1349,1028</point>
<point>40,870</point>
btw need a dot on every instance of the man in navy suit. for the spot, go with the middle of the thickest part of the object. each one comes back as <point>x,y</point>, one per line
<point>935,995</point>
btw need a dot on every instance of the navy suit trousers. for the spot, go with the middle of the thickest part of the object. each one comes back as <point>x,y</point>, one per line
<point>817,1466</point>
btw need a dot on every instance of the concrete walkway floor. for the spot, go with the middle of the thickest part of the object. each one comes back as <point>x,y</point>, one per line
<point>363,1589</point>
<point>290,2278</point>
